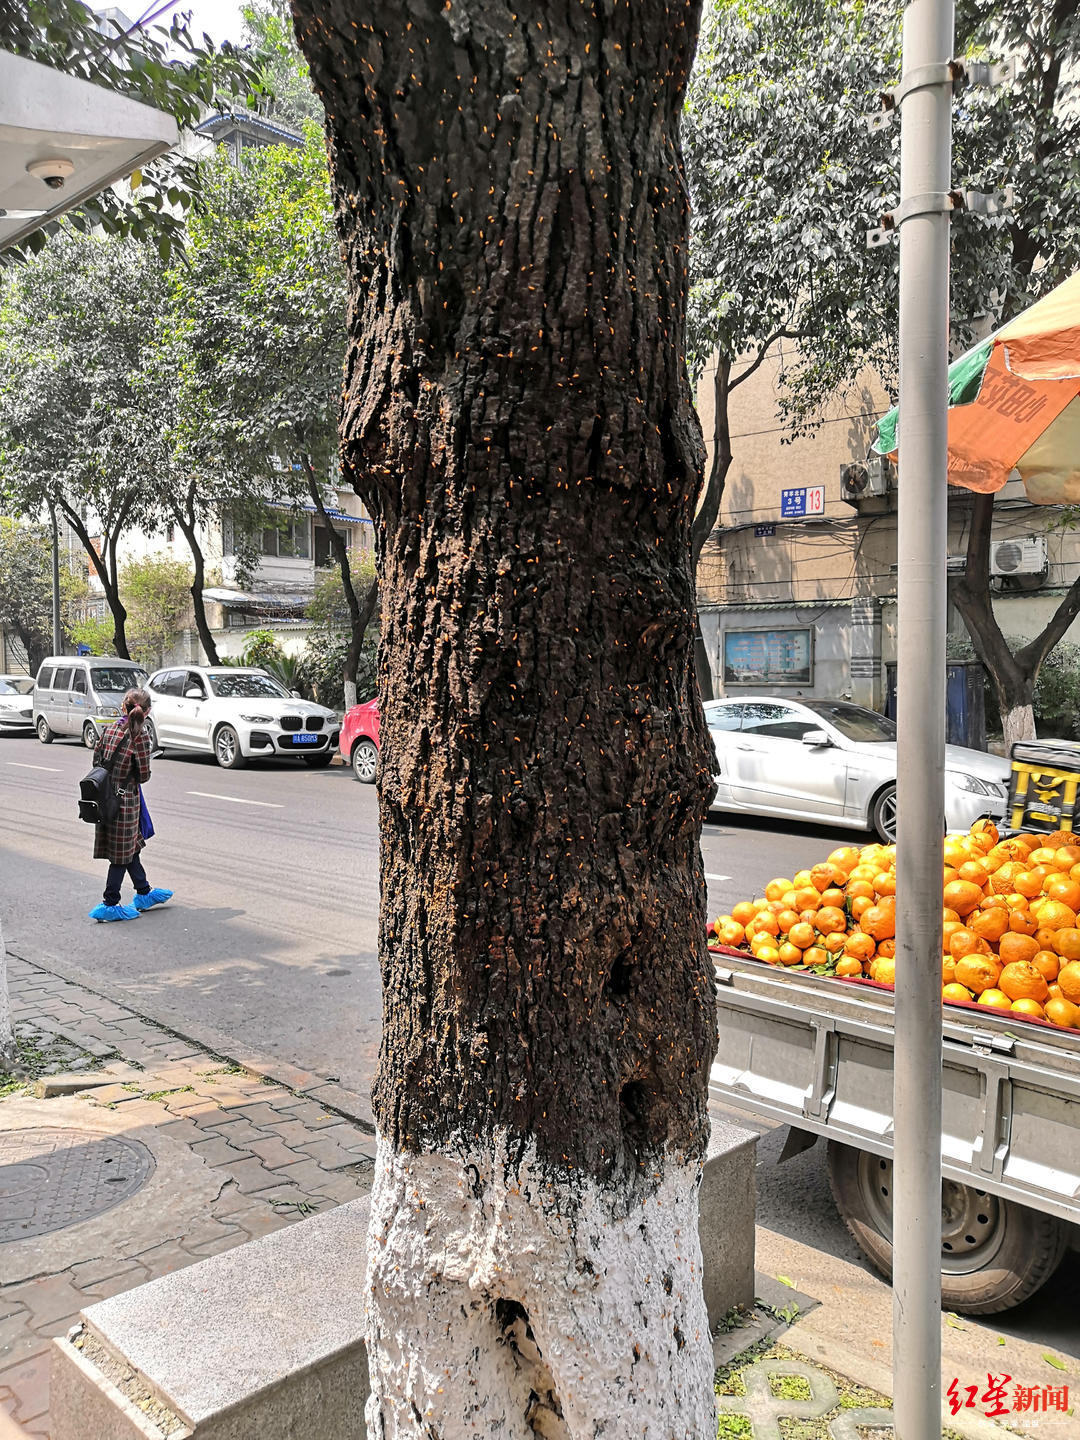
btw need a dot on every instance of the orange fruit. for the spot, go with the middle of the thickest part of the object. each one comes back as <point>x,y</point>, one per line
<point>789,899</point>
<point>1062,1013</point>
<point>1043,854</point>
<point>730,932</point>
<point>995,1000</point>
<point>1013,947</point>
<point>954,851</point>
<point>975,871</point>
<point>1047,964</point>
<point>775,888</point>
<point>769,954</point>
<point>831,920</point>
<point>949,929</point>
<point>948,969</point>
<point>985,830</point>
<point>1063,889</point>
<point>994,902</point>
<point>1001,881</point>
<point>824,875</point>
<point>860,905</point>
<point>1066,858</point>
<point>833,896</point>
<point>1021,981</point>
<point>815,955</point>
<point>1055,991</point>
<point>743,912</point>
<point>990,924</point>
<point>858,888</point>
<point>765,922</point>
<point>962,896</point>
<point>786,919</point>
<point>949,875</point>
<point>1031,1008</point>
<point>883,970</point>
<point>977,973</point>
<point>848,965</point>
<point>863,872</point>
<point>885,882</point>
<point>948,914</point>
<point>1022,922</point>
<point>955,992</point>
<point>879,922</point>
<point>1067,944</point>
<point>807,898</point>
<point>1075,872</point>
<point>833,943</point>
<point>887,949</point>
<point>1028,883</point>
<point>963,942</point>
<point>802,935</point>
<point>1069,980</point>
<point>846,858</point>
<point>859,944</point>
<point>790,954</point>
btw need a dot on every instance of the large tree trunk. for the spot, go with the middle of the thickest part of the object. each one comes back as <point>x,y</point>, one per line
<point>1013,676</point>
<point>517,417</point>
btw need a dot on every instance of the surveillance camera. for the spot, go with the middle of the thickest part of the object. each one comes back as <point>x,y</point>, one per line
<point>52,172</point>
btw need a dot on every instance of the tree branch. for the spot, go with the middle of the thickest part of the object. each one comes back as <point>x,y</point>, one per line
<point>709,508</point>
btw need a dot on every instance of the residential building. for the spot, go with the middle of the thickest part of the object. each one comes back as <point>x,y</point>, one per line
<point>797,583</point>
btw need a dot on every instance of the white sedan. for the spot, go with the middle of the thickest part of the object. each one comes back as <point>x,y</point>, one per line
<point>832,761</point>
<point>16,702</point>
<point>236,715</point>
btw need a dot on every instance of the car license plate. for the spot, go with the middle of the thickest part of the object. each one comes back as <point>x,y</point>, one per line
<point>305,738</point>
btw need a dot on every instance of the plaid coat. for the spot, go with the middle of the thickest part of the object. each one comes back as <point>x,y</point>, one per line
<point>120,842</point>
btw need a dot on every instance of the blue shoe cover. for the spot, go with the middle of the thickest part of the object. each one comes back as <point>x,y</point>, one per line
<point>105,912</point>
<point>151,898</point>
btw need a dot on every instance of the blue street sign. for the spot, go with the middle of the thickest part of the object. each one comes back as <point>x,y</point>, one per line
<point>762,531</point>
<point>807,501</point>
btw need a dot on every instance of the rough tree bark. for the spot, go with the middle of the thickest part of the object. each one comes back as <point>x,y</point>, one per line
<point>1012,676</point>
<point>709,506</point>
<point>517,418</point>
<point>360,610</point>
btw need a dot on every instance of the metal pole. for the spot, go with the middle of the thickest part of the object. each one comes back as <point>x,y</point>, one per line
<point>57,639</point>
<point>926,118</point>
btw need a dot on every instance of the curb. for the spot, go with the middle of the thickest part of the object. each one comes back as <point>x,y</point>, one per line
<point>349,1104</point>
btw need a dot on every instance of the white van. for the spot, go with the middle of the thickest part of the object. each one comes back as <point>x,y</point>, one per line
<point>81,694</point>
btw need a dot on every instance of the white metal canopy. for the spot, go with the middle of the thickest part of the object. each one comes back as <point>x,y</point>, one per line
<point>46,115</point>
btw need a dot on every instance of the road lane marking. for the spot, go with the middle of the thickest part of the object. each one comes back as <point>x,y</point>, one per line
<point>235,799</point>
<point>19,765</point>
<point>716,877</point>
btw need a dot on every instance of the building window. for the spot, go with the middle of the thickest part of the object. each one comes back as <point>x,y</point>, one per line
<point>291,539</point>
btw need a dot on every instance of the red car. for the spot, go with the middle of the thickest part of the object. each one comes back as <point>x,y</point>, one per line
<point>359,743</point>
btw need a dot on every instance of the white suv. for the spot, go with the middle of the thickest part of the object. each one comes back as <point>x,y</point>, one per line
<point>237,714</point>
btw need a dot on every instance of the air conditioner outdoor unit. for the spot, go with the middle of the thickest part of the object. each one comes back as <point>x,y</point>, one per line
<point>1018,557</point>
<point>871,479</point>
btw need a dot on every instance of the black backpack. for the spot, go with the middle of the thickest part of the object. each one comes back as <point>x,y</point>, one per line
<point>99,803</point>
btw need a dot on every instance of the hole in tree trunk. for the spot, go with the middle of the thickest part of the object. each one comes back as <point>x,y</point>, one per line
<point>618,985</point>
<point>635,1103</point>
<point>544,1412</point>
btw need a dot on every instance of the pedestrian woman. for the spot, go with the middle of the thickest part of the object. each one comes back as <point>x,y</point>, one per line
<point>124,749</point>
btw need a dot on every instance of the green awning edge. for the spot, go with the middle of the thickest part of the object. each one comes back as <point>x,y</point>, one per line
<point>965,382</point>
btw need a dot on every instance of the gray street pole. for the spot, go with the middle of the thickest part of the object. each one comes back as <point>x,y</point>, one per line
<point>923,218</point>
<point>57,638</point>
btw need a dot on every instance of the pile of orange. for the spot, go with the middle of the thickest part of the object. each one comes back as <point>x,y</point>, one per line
<point>1011,933</point>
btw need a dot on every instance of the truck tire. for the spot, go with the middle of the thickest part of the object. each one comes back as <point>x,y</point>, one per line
<point>994,1253</point>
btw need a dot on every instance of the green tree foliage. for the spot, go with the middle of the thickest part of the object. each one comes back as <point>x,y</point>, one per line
<point>171,69</point>
<point>786,178</point>
<point>268,29</point>
<point>26,589</point>
<point>75,422</point>
<point>157,594</point>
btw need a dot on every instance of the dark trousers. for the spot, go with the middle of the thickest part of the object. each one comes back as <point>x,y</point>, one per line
<point>116,879</point>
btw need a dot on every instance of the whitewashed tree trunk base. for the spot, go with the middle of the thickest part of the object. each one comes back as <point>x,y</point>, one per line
<point>1018,724</point>
<point>507,1301</point>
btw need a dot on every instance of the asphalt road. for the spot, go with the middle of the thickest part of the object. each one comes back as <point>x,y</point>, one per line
<point>271,938</point>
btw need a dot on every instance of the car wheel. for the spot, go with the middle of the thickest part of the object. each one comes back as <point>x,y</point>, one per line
<point>44,734</point>
<point>227,750</point>
<point>994,1253</point>
<point>151,735</point>
<point>90,735</point>
<point>319,762</point>
<point>883,815</point>
<point>365,761</point>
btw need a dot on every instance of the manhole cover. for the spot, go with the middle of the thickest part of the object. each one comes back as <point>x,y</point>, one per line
<point>53,1178</point>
